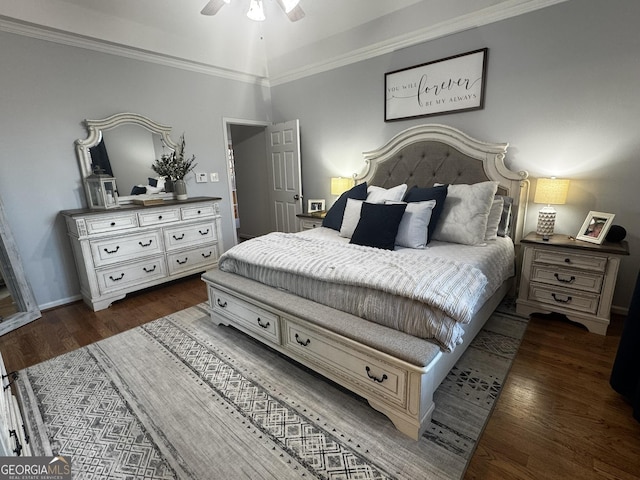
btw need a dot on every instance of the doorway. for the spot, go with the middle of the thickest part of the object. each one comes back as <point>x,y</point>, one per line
<point>264,175</point>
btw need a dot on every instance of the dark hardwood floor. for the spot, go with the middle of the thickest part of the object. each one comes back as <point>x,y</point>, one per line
<point>557,416</point>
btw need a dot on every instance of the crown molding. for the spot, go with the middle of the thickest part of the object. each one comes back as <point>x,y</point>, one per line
<point>502,11</point>
<point>65,38</point>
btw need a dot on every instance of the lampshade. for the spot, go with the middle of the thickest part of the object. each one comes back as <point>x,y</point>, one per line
<point>550,191</point>
<point>256,11</point>
<point>339,185</point>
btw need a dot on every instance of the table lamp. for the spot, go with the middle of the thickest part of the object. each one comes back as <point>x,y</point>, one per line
<point>550,191</point>
<point>339,185</point>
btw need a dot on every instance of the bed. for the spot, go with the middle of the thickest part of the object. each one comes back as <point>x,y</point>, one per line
<point>388,322</point>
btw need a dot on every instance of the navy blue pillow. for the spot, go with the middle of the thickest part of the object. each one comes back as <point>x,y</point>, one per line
<point>153,182</point>
<point>333,218</point>
<point>378,225</point>
<point>439,194</point>
<point>136,190</point>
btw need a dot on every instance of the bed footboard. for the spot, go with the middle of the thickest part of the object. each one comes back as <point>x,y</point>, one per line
<point>393,371</point>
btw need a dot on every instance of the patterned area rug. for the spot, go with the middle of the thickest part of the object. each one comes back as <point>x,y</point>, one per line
<point>182,398</point>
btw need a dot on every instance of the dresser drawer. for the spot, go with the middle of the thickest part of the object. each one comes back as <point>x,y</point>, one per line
<point>189,235</point>
<point>246,316</point>
<point>575,260</point>
<point>580,280</point>
<point>198,211</point>
<point>309,224</point>
<point>368,373</point>
<point>103,224</point>
<point>130,247</point>
<point>120,277</point>
<point>562,298</point>
<point>157,216</point>
<point>199,258</point>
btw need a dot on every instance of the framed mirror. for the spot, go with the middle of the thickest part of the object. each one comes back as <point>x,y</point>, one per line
<point>124,145</point>
<point>17,303</point>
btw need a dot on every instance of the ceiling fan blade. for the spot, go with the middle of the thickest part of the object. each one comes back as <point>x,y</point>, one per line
<point>295,14</point>
<point>212,7</point>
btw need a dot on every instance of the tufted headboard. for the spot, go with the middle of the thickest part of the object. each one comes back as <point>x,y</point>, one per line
<point>428,154</point>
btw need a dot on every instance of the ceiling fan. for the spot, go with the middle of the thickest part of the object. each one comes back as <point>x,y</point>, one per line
<point>256,10</point>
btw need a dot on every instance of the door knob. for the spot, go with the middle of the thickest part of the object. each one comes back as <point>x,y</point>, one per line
<point>296,197</point>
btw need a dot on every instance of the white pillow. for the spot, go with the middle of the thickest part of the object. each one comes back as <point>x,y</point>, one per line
<point>495,215</point>
<point>466,213</point>
<point>412,231</point>
<point>382,195</point>
<point>351,217</point>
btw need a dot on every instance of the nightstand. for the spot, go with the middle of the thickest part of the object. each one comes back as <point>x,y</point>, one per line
<point>310,220</point>
<point>569,276</point>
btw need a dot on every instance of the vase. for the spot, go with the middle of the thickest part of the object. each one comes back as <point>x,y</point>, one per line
<point>168,185</point>
<point>180,189</point>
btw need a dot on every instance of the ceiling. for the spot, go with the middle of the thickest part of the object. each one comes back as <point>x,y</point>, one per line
<point>333,32</point>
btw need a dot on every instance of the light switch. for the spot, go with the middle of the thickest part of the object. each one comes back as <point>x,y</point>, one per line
<point>215,177</point>
<point>201,177</point>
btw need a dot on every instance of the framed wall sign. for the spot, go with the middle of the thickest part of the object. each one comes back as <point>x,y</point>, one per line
<point>452,84</point>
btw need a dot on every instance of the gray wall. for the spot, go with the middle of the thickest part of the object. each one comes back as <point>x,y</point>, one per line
<point>46,90</point>
<point>561,89</point>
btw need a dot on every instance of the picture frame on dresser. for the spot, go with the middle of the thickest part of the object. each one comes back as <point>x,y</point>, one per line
<point>595,227</point>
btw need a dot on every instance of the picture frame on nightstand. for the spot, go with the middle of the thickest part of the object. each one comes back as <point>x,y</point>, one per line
<point>315,205</point>
<point>595,227</point>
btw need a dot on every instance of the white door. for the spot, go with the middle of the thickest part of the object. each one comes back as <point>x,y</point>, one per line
<point>285,192</point>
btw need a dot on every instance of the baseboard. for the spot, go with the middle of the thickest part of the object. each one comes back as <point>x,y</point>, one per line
<point>58,303</point>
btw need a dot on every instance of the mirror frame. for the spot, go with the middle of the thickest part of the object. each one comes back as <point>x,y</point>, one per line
<point>16,280</point>
<point>95,129</point>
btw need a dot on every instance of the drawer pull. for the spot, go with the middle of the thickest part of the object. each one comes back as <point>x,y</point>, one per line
<point>112,251</point>
<point>374,378</point>
<point>561,300</point>
<point>18,449</point>
<point>567,260</point>
<point>178,238</point>
<point>263,325</point>
<point>149,270</point>
<point>564,280</point>
<point>203,233</point>
<point>117,278</point>
<point>113,224</point>
<point>199,212</point>
<point>207,255</point>
<point>221,304</point>
<point>182,262</point>
<point>145,244</point>
<point>159,217</point>
<point>305,343</point>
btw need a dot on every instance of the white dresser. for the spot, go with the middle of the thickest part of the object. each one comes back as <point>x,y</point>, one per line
<point>133,247</point>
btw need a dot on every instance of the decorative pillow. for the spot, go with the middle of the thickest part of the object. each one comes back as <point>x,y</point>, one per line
<point>138,190</point>
<point>495,214</point>
<point>413,228</point>
<point>381,195</point>
<point>504,227</point>
<point>333,218</point>
<point>351,217</point>
<point>466,212</point>
<point>439,194</point>
<point>378,225</point>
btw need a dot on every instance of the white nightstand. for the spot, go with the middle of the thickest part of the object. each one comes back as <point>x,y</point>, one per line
<point>571,277</point>
<point>309,220</point>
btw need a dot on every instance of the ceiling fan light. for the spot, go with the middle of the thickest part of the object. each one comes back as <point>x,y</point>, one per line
<point>256,11</point>
<point>290,5</point>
